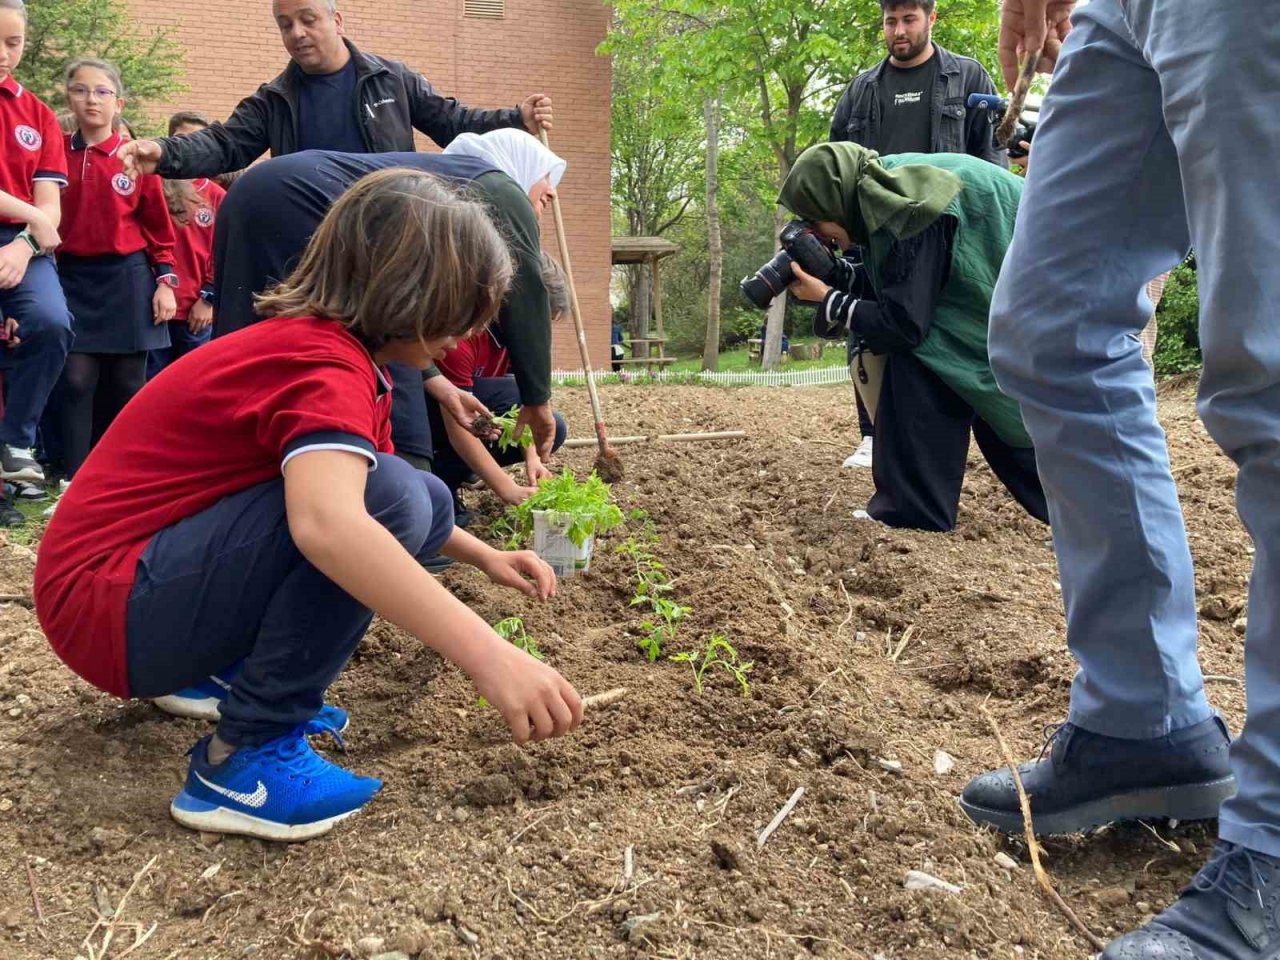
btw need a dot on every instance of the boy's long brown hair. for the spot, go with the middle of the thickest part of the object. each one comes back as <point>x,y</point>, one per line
<point>400,256</point>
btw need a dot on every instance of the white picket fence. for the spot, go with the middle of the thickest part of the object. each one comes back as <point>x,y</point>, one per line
<point>812,377</point>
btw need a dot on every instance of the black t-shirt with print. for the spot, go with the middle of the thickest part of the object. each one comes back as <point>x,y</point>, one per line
<point>906,98</point>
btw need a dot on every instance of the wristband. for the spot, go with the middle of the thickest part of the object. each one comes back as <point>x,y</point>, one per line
<point>167,280</point>
<point>25,234</point>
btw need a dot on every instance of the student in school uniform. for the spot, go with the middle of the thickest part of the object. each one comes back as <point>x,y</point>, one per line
<point>33,172</point>
<point>116,264</point>
<point>248,512</point>
<point>481,366</point>
<point>193,206</point>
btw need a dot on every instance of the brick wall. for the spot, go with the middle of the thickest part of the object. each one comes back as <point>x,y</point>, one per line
<point>543,46</point>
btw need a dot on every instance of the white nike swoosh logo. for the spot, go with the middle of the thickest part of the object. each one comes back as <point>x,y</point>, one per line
<point>256,799</point>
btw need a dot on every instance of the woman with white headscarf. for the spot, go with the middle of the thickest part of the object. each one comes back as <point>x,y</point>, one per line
<point>520,155</point>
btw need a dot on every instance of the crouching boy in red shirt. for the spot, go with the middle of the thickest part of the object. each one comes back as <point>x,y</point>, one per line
<point>268,521</point>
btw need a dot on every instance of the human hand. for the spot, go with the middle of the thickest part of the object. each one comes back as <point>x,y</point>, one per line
<point>11,339</point>
<point>14,258</point>
<point>463,407</point>
<point>199,316</point>
<point>534,700</point>
<point>163,305</point>
<point>1027,25</point>
<point>512,493</point>
<point>536,470</point>
<point>536,113</point>
<point>44,232</point>
<point>521,570</point>
<point>807,288</point>
<point>139,157</point>
<point>540,418</point>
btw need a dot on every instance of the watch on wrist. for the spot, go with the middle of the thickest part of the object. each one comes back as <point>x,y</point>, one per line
<point>31,241</point>
<point>168,280</point>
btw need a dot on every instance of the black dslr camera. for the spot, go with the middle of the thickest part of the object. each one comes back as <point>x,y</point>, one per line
<point>800,244</point>
<point>1025,130</point>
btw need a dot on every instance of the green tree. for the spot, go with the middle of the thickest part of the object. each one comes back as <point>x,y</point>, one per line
<point>58,31</point>
<point>781,65</point>
<point>1178,323</point>
<point>655,155</point>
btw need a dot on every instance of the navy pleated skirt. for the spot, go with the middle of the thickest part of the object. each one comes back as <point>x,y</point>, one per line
<point>110,301</point>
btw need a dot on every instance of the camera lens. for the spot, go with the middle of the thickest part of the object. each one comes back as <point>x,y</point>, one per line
<point>769,281</point>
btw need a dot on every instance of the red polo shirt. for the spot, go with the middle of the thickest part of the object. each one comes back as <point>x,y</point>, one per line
<point>32,150</point>
<point>217,421</point>
<point>480,355</point>
<point>194,250</point>
<point>105,212</point>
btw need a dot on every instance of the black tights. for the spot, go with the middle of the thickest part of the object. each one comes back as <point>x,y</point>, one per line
<point>98,385</point>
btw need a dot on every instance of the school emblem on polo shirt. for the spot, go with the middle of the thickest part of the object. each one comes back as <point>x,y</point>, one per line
<point>28,137</point>
<point>204,217</point>
<point>123,185</point>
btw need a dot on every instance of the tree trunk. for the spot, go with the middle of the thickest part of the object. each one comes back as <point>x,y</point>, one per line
<point>715,255</point>
<point>641,308</point>
<point>771,350</point>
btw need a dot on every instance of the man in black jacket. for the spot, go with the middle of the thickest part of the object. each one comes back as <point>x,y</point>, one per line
<point>331,96</point>
<point>913,101</point>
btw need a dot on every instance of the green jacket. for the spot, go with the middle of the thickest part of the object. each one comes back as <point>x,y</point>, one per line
<point>956,345</point>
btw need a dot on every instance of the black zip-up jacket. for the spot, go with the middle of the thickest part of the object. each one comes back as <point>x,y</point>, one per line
<point>955,128</point>
<point>392,100</point>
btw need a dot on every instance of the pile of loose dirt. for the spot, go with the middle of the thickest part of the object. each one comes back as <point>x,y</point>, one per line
<point>869,646</point>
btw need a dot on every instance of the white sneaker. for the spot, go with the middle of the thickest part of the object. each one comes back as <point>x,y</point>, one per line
<point>862,456</point>
<point>19,463</point>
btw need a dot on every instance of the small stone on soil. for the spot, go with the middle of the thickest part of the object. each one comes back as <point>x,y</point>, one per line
<point>1004,860</point>
<point>943,763</point>
<point>918,880</point>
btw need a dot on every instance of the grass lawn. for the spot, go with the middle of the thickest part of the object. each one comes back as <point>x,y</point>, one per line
<point>832,356</point>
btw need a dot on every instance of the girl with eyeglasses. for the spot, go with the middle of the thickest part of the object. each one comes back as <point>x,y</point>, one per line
<point>116,263</point>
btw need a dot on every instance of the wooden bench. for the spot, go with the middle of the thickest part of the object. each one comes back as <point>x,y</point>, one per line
<point>652,361</point>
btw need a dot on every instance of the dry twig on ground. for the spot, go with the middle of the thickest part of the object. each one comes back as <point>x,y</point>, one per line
<point>1042,877</point>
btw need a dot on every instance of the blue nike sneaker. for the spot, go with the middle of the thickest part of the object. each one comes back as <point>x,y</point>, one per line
<point>282,790</point>
<point>204,701</point>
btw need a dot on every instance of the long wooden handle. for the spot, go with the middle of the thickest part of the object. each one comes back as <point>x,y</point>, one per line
<point>577,313</point>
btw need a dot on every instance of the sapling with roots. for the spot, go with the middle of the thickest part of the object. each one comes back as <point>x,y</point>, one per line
<point>505,425</point>
<point>718,652</point>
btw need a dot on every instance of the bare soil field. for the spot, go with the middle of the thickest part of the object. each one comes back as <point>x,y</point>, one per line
<point>872,649</point>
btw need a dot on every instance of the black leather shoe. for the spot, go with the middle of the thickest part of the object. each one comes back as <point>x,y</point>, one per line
<point>1228,913</point>
<point>1088,780</point>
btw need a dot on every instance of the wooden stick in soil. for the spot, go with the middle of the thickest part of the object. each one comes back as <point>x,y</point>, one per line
<point>1042,877</point>
<point>1018,97</point>
<point>604,699</point>
<point>668,437</point>
<point>608,465</point>
<point>35,896</point>
<point>781,815</point>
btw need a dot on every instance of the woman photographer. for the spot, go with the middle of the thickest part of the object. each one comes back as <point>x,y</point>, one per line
<point>934,229</point>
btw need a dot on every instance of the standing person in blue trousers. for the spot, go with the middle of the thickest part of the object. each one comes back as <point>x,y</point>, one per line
<point>33,173</point>
<point>1136,151</point>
